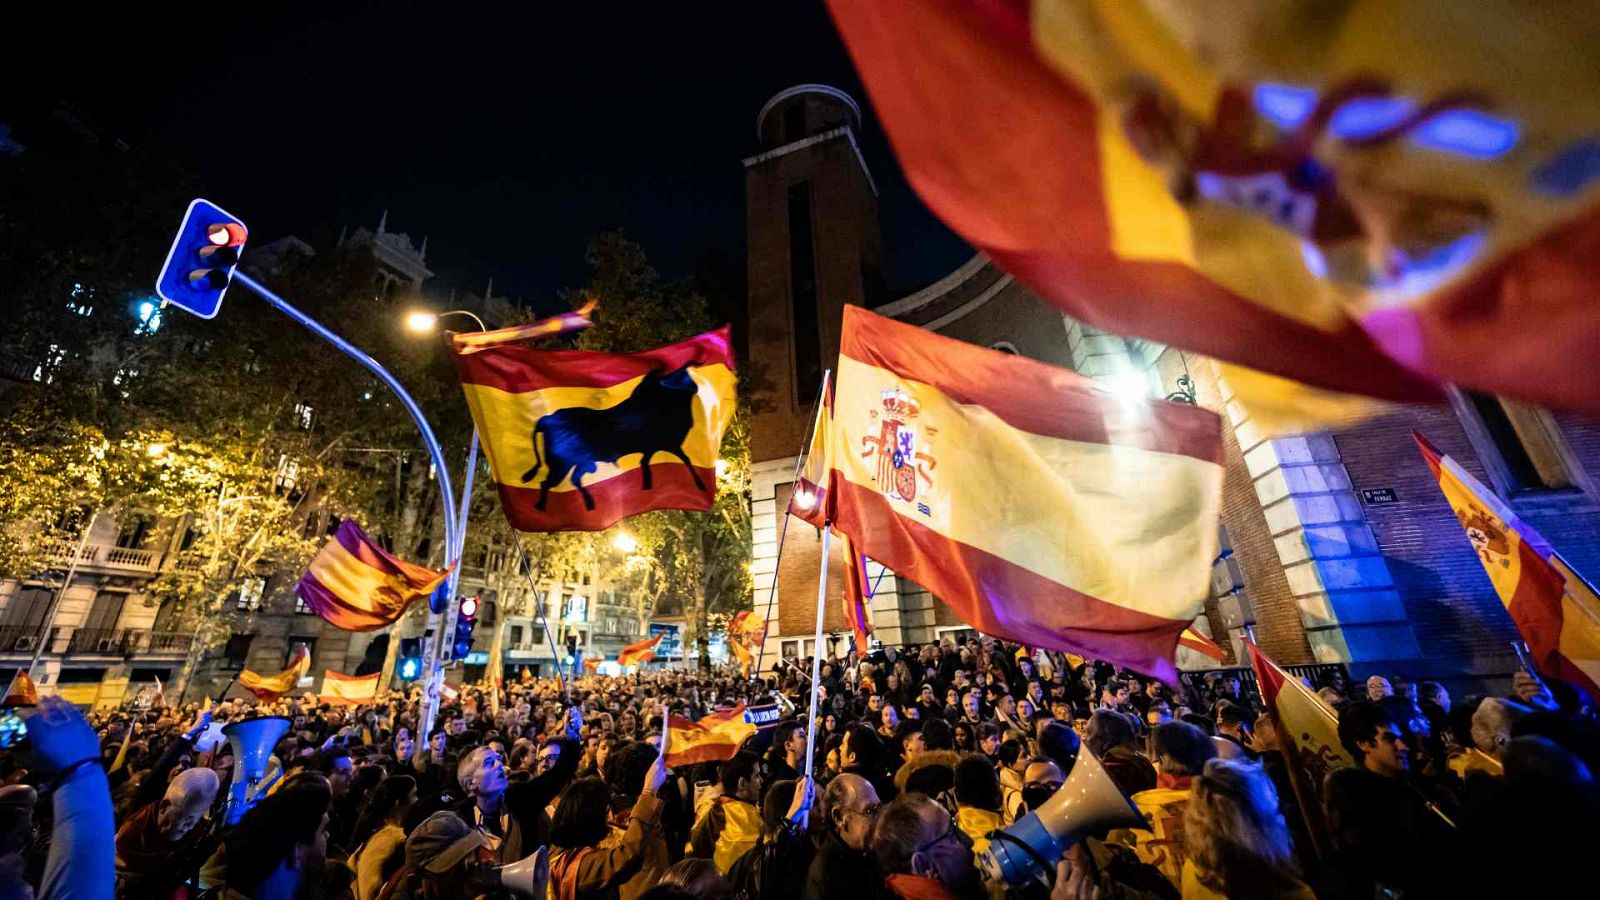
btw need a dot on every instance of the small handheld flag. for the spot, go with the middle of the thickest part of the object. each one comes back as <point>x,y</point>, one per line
<point>639,651</point>
<point>21,691</point>
<point>268,688</point>
<point>713,738</point>
<point>348,689</point>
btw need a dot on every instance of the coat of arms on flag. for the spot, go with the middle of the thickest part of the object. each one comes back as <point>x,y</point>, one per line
<point>577,440</point>
<point>1053,514</point>
<point>358,586</point>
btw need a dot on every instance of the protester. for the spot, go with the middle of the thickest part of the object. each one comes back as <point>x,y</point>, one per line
<point>1236,839</point>
<point>922,852</point>
<point>731,824</point>
<point>1181,752</point>
<point>844,861</point>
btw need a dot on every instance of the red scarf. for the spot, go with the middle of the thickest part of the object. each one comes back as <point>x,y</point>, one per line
<point>918,887</point>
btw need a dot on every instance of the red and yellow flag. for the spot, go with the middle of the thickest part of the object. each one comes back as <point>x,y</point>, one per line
<point>268,688</point>
<point>526,676</point>
<point>591,664</point>
<point>357,585</point>
<point>1199,643</point>
<point>1368,201</point>
<point>713,738</point>
<point>22,692</point>
<point>1555,610</point>
<point>1308,731</point>
<point>639,651</point>
<point>742,654</point>
<point>1040,507</point>
<point>857,591</point>
<point>348,689</point>
<point>577,440</point>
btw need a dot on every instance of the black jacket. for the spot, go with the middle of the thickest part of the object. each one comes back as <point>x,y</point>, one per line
<point>525,801</point>
<point>838,871</point>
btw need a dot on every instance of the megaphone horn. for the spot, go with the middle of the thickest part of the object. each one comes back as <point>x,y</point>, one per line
<point>252,741</point>
<point>1087,803</point>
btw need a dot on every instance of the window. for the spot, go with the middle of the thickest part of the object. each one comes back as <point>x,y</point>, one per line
<point>46,370</point>
<point>131,534</point>
<point>1520,445</point>
<point>250,593</point>
<point>149,313</point>
<point>516,635</point>
<point>189,537</point>
<point>288,473</point>
<point>538,636</point>
<point>26,609</point>
<point>803,297</point>
<point>300,607</point>
<point>304,416</point>
<point>237,651</point>
<point>295,643</point>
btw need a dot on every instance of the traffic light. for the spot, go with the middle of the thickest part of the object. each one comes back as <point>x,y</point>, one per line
<point>466,620</point>
<point>202,259</point>
<point>410,665</point>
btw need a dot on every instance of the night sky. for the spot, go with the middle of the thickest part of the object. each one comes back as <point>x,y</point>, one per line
<point>508,134</point>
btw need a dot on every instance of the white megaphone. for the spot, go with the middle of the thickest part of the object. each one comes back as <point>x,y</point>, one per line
<point>252,741</point>
<point>1088,802</point>
<point>529,876</point>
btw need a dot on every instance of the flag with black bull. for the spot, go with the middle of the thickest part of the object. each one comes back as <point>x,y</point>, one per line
<point>577,440</point>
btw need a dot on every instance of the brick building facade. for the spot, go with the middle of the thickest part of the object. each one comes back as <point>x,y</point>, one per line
<point>1335,546</point>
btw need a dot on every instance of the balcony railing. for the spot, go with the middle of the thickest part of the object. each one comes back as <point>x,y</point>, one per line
<point>158,643</point>
<point>124,558</point>
<point>20,638</point>
<point>97,642</point>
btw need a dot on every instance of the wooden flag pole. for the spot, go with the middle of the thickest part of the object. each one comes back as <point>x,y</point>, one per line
<point>816,662</point>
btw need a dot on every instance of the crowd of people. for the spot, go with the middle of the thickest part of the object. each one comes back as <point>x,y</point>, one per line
<point>921,759</point>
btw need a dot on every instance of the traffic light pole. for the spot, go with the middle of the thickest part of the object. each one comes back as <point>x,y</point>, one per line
<point>454,522</point>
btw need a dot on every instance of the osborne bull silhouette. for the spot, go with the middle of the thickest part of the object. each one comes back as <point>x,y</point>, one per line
<point>656,418</point>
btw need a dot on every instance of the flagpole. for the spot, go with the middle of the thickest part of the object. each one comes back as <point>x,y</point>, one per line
<point>538,608</point>
<point>816,655</point>
<point>783,530</point>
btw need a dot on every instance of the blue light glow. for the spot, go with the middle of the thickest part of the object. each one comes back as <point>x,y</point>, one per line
<point>1464,132</point>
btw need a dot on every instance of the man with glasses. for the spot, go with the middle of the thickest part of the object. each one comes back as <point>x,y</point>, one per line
<point>923,855</point>
<point>844,863</point>
<point>514,815</point>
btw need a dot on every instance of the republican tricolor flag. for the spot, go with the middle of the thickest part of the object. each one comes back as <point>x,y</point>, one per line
<point>358,586</point>
<point>1555,610</point>
<point>1038,506</point>
<point>577,440</point>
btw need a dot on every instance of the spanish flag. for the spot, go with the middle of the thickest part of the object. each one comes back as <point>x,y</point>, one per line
<point>22,692</point>
<point>268,688</point>
<point>713,738</point>
<point>577,440</point>
<point>348,689</point>
<point>591,664</point>
<point>1308,730</point>
<point>857,591</point>
<point>639,651</point>
<point>742,653</point>
<point>1041,508</point>
<point>1555,610</point>
<point>358,586</point>
<point>1369,199</point>
<point>1199,643</point>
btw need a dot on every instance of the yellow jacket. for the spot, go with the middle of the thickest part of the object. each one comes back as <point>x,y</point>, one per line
<point>976,824</point>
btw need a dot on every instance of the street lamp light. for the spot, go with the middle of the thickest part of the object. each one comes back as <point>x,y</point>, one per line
<point>156,451</point>
<point>625,542</point>
<point>421,321</point>
<point>424,321</point>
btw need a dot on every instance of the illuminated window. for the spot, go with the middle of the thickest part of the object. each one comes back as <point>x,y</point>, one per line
<point>288,475</point>
<point>304,416</point>
<point>149,314</point>
<point>250,593</point>
<point>300,606</point>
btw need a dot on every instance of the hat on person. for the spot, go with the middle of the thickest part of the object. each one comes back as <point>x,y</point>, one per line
<point>442,841</point>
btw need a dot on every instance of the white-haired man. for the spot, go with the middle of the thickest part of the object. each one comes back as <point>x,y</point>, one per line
<point>514,815</point>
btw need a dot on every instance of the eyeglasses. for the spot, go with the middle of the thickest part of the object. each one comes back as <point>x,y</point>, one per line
<point>867,812</point>
<point>951,832</point>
